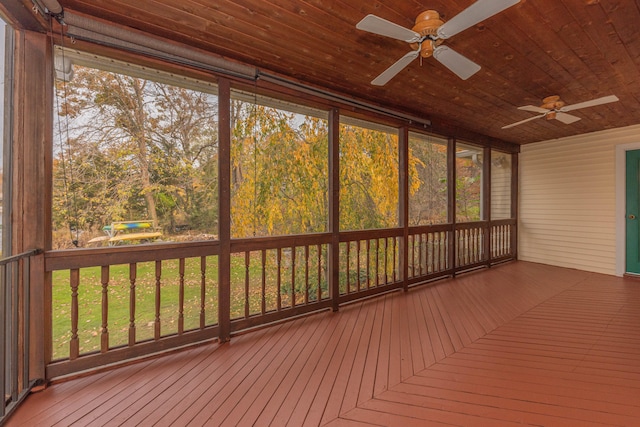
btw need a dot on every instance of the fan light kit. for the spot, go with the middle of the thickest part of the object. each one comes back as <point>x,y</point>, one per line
<point>429,32</point>
<point>553,108</point>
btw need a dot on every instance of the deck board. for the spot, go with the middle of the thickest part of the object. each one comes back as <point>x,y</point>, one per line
<point>518,344</point>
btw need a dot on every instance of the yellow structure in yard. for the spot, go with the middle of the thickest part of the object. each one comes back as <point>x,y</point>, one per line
<point>128,231</point>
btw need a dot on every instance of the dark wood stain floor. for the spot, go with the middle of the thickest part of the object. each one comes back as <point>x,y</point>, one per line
<point>518,344</point>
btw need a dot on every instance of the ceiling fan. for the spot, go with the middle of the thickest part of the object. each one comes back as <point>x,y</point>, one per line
<point>428,33</point>
<point>553,108</point>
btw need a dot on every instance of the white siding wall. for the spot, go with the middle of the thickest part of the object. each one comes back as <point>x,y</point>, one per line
<point>567,200</point>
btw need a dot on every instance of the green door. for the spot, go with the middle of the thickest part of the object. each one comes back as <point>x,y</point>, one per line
<point>633,211</point>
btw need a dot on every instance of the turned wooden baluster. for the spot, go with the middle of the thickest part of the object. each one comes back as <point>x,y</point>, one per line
<point>458,247</point>
<point>436,252</point>
<point>279,278</point>
<point>132,303</point>
<point>377,262</point>
<point>263,303</point>
<point>203,284</point>
<point>368,248</point>
<point>473,247</point>
<point>429,258</point>
<point>386,257</point>
<point>156,322</point>
<point>442,250</point>
<point>181,299</point>
<point>358,264</point>
<point>293,276</point>
<point>429,253</point>
<point>247,263</point>
<point>74,344</point>
<point>104,336</point>
<point>319,272</point>
<point>348,264</point>
<point>306,274</point>
<point>420,251</point>
<point>394,265</point>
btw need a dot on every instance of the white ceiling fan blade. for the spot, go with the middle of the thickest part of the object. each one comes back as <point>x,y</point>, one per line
<point>460,65</point>
<point>399,65</point>
<point>592,103</point>
<point>477,12</point>
<point>567,119</point>
<point>533,108</point>
<point>377,25</point>
<point>523,121</point>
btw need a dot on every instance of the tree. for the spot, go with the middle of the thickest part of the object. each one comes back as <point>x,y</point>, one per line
<point>428,192</point>
<point>129,140</point>
<point>279,171</point>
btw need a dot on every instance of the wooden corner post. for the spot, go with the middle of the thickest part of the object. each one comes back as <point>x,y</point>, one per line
<point>30,153</point>
<point>224,214</point>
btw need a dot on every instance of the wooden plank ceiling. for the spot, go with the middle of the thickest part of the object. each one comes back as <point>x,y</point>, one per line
<point>577,49</point>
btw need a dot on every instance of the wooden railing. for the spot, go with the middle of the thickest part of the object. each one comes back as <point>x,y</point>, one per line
<point>470,244</point>
<point>149,298</point>
<point>428,252</point>
<point>113,304</point>
<point>281,277</point>
<point>503,235</point>
<point>369,263</point>
<point>15,293</point>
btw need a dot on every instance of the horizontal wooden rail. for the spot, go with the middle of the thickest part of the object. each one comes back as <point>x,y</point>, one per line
<point>93,257</point>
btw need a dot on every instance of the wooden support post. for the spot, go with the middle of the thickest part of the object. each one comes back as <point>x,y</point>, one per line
<point>29,135</point>
<point>224,214</point>
<point>486,203</point>
<point>334,206</point>
<point>451,203</point>
<point>403,203</point>
<point>514,204</point>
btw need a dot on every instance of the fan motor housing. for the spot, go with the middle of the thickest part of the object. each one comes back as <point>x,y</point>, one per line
<point>552,103</point>
<point>427,24</point>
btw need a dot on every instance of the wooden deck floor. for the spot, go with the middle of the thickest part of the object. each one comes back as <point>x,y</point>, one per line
<point>519,344</point>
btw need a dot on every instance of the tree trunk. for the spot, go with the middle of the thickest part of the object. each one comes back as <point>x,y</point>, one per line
<point>141,139</point>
